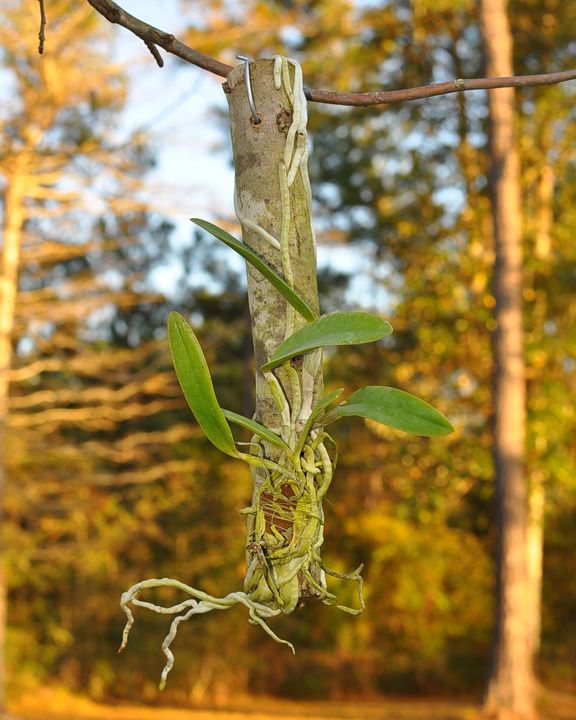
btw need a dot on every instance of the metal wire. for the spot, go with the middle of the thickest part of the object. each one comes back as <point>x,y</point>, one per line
<point>247,61</point>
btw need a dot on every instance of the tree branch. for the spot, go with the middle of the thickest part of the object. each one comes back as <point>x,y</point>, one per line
<point>41,32</point>
<point>443,88</point>
<point>153,37</point>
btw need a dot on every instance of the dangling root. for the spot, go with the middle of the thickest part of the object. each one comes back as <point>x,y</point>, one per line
<point>284,540</point>
<point>356,577</point>
<point>198,604</point>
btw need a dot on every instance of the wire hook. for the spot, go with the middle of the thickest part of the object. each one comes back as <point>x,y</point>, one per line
<point>247,61</point>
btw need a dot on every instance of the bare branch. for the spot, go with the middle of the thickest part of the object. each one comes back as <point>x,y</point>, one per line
<point>41,32</point>
<point>443,88</point>
<point>155,54</point>
<point>153,37</point>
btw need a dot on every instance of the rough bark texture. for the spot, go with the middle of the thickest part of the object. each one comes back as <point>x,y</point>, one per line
<point>510,691</point>
<point>258,151</point>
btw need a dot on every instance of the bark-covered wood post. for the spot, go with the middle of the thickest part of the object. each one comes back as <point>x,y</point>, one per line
<point>273,202</point>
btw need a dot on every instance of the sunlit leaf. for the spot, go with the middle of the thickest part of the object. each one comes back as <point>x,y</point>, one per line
<point>339,328</point>
<point>396,408</point>
<point>250,256</point>
<point>194,378</point>
<point>257,429</point>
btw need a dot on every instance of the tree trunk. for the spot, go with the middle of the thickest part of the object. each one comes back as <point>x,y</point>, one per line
<point>273,204</point>
<point>510,690</point>
<point>537,489</point>
<point>14,213</point>
<point>536,507</point>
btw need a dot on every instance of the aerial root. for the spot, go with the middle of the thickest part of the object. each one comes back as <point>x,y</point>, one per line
<point>357,578</point>
<point>255,612</point>
<point>198,604</point>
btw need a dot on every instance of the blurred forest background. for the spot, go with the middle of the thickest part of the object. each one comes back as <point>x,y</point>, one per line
<point>108,480</point>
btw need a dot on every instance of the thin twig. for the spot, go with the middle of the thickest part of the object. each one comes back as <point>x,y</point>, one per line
<point>152,36</point>
<point>41,33</point>
<point>155,54</point>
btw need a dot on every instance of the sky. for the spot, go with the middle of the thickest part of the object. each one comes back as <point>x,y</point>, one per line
<point>178,105</point>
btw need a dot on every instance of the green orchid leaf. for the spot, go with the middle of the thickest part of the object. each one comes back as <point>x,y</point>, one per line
<point>250,256</point>
<point>339,328</point>
<point>326,401</point>
<point>395,408</point>
<point>194,378</point>
<point>257,429</point>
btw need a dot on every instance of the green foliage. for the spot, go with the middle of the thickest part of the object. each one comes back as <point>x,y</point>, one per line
<point>385,405</point>
<point>196,383</point>
<point>257,429</point>
<point>339,328</point>
<point>396,408</point>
